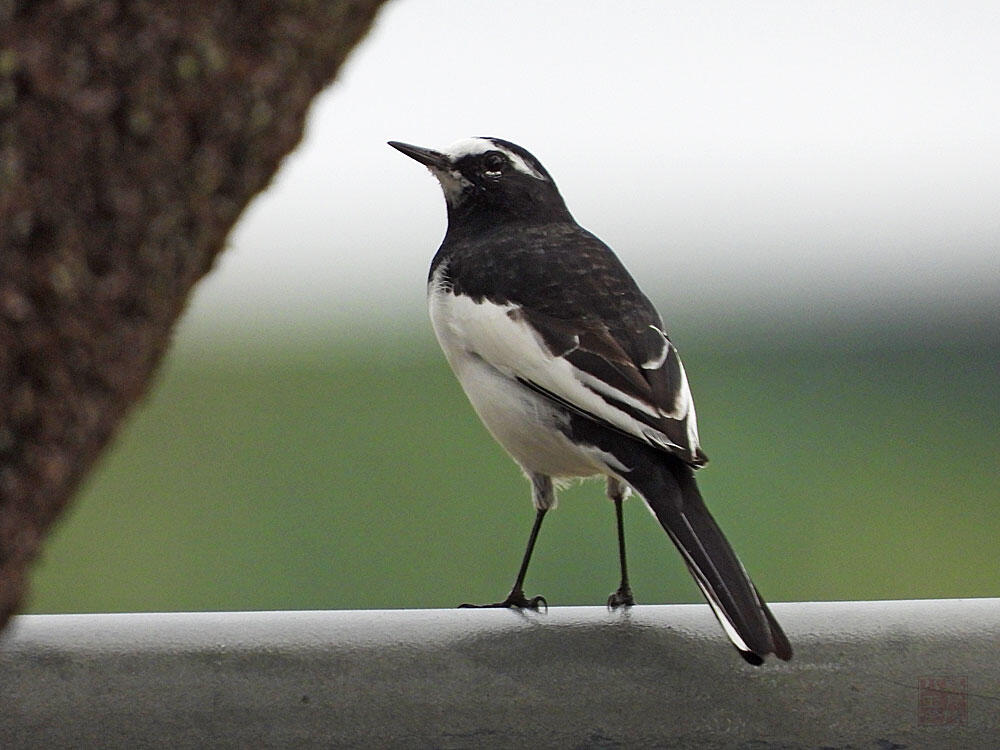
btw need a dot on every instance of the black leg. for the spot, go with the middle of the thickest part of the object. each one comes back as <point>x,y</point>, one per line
<point>516,598</point>
<point>623,596</point>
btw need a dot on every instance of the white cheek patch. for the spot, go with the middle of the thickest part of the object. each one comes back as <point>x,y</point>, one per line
<point>476,146</point>
<point>452,183</point>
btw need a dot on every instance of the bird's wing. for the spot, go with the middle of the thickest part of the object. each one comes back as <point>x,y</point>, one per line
<point>582,366</point>
<point>640,380</point>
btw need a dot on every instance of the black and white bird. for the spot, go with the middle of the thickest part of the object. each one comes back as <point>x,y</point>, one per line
<point>569,367</point>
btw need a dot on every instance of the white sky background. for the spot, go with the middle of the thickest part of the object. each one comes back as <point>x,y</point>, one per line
<point>735,155</point>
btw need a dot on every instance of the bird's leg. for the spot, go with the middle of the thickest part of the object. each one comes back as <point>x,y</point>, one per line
<point>623,596</point>
<point>516,598</point>
<point>544,498</point>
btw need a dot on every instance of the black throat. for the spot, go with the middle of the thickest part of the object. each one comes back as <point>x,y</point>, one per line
<point>481,213</point>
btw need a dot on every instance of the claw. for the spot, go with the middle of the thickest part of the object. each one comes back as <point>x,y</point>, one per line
<point>536,602</point>
<point>515,600</point>
<point>621,598</point>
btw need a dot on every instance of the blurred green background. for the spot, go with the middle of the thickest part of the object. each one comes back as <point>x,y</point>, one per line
<point>850,460</point>
<point>810,198</point>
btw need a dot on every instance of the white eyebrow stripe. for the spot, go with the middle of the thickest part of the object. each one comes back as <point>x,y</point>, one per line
<point>476,146</point>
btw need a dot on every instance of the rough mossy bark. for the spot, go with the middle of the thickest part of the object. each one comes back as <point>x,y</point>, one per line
<point>132,135</point>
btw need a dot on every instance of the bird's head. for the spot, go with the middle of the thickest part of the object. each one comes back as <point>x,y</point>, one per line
<point>491,179</point>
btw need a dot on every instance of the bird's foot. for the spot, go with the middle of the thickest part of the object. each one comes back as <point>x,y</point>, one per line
<point>621,598</point>
<point>515,600</point>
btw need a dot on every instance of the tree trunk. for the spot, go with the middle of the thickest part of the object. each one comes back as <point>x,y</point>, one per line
<point>132,135</point>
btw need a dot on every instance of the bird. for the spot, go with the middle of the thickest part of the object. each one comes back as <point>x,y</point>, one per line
<point>569,367</point>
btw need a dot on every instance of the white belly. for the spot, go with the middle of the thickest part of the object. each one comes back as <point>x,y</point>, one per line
<point>522,421</point>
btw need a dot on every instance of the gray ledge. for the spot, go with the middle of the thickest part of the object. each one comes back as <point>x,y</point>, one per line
<point>913,674</point>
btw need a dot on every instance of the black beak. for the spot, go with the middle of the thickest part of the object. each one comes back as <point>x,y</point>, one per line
<point>426,156</point>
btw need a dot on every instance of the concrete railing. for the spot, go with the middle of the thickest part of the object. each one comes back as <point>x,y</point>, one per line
<point>914,674</point>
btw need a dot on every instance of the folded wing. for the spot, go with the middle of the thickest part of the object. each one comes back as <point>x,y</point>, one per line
<point>634,383</point>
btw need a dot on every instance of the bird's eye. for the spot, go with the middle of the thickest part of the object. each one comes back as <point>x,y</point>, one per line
<point>493,164</point>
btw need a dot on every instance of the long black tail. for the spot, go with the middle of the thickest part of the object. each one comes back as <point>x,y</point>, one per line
<point>669,488</point>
